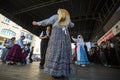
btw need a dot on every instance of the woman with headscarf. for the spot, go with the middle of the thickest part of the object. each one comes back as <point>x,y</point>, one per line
<point>15,53</point>
<point>8,45</point>
<point>81,53</point>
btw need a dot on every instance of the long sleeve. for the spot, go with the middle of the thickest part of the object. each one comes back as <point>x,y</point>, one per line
<point>48,21</point>
<point>79,41</point>
<point>20,42</point>
<point>9,43</point>
<point>82,41</point>
<point>76,40</point>
<point>71,24</point>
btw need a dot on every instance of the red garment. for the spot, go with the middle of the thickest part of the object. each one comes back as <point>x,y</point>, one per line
<point>75,53</point>
<point>24,55</point>
<point>75,49</point>
<point>15,54</point>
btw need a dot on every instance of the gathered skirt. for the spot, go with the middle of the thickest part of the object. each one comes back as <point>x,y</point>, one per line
<point>15,54</point>
<point>58,60</point>
<point>83,59</point>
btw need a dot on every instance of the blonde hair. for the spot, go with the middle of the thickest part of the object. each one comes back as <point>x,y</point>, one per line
<point>63,16</point>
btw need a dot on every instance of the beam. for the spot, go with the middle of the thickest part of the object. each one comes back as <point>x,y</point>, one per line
<point>30,8</point>
<point>109,14</point>
<point>87,17</point>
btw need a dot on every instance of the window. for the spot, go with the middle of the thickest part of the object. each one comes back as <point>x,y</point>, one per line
<point>31,37</point>
<point>7,20</point>
<point>28,36</point>
<point>8,32</point>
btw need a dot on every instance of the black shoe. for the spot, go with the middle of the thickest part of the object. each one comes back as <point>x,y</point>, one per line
<point>10,64</point>
<point>58,77</point>
<point>14,63</point>
<point>63,77</point>
<point>41,67</point>
<point>55,77</point>
<point>31,61</point>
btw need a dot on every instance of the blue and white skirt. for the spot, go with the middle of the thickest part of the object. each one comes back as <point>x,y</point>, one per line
<point>82,56</point>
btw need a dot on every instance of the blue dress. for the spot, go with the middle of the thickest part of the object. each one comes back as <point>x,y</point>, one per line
<point>58,60</point>
<point>81,53</point>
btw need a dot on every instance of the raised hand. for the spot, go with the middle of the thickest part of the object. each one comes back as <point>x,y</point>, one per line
<point>34,23</point>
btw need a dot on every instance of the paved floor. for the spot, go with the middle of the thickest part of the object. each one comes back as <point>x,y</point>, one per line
<point>32,72</point>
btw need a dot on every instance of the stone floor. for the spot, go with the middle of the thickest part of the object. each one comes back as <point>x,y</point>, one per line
<point>32,72</point>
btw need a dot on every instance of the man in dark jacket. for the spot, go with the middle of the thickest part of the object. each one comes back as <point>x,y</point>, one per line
<point>44,36</point>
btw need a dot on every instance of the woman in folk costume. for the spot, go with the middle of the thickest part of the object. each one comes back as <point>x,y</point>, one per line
<point>59,53</point>
<point>81,53</point>
<point>15,53</point>
<point>8,45</point>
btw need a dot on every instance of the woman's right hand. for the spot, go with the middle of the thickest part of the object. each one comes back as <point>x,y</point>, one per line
<point>71,36</point>
<point>34,23</point>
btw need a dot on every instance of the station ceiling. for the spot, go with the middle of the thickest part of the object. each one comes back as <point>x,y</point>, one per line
<point>89,16</point>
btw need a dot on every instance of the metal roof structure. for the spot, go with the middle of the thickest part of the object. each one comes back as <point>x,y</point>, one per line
<point>89,16</point>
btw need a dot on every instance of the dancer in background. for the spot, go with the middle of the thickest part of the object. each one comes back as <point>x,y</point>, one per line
<point>15,54</point>
<point>81,53</point>
<point>8,45</point>
<point>44,36</point>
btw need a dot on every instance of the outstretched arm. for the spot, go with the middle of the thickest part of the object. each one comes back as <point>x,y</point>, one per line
<point>46,22</point>
<point>74,39</point>
<point>35,23</point>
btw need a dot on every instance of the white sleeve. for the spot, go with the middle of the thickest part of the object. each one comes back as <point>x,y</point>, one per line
<point>41,34</point>
<point>71,24</point>
<point>20,42</point>
<point>76,40</point>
